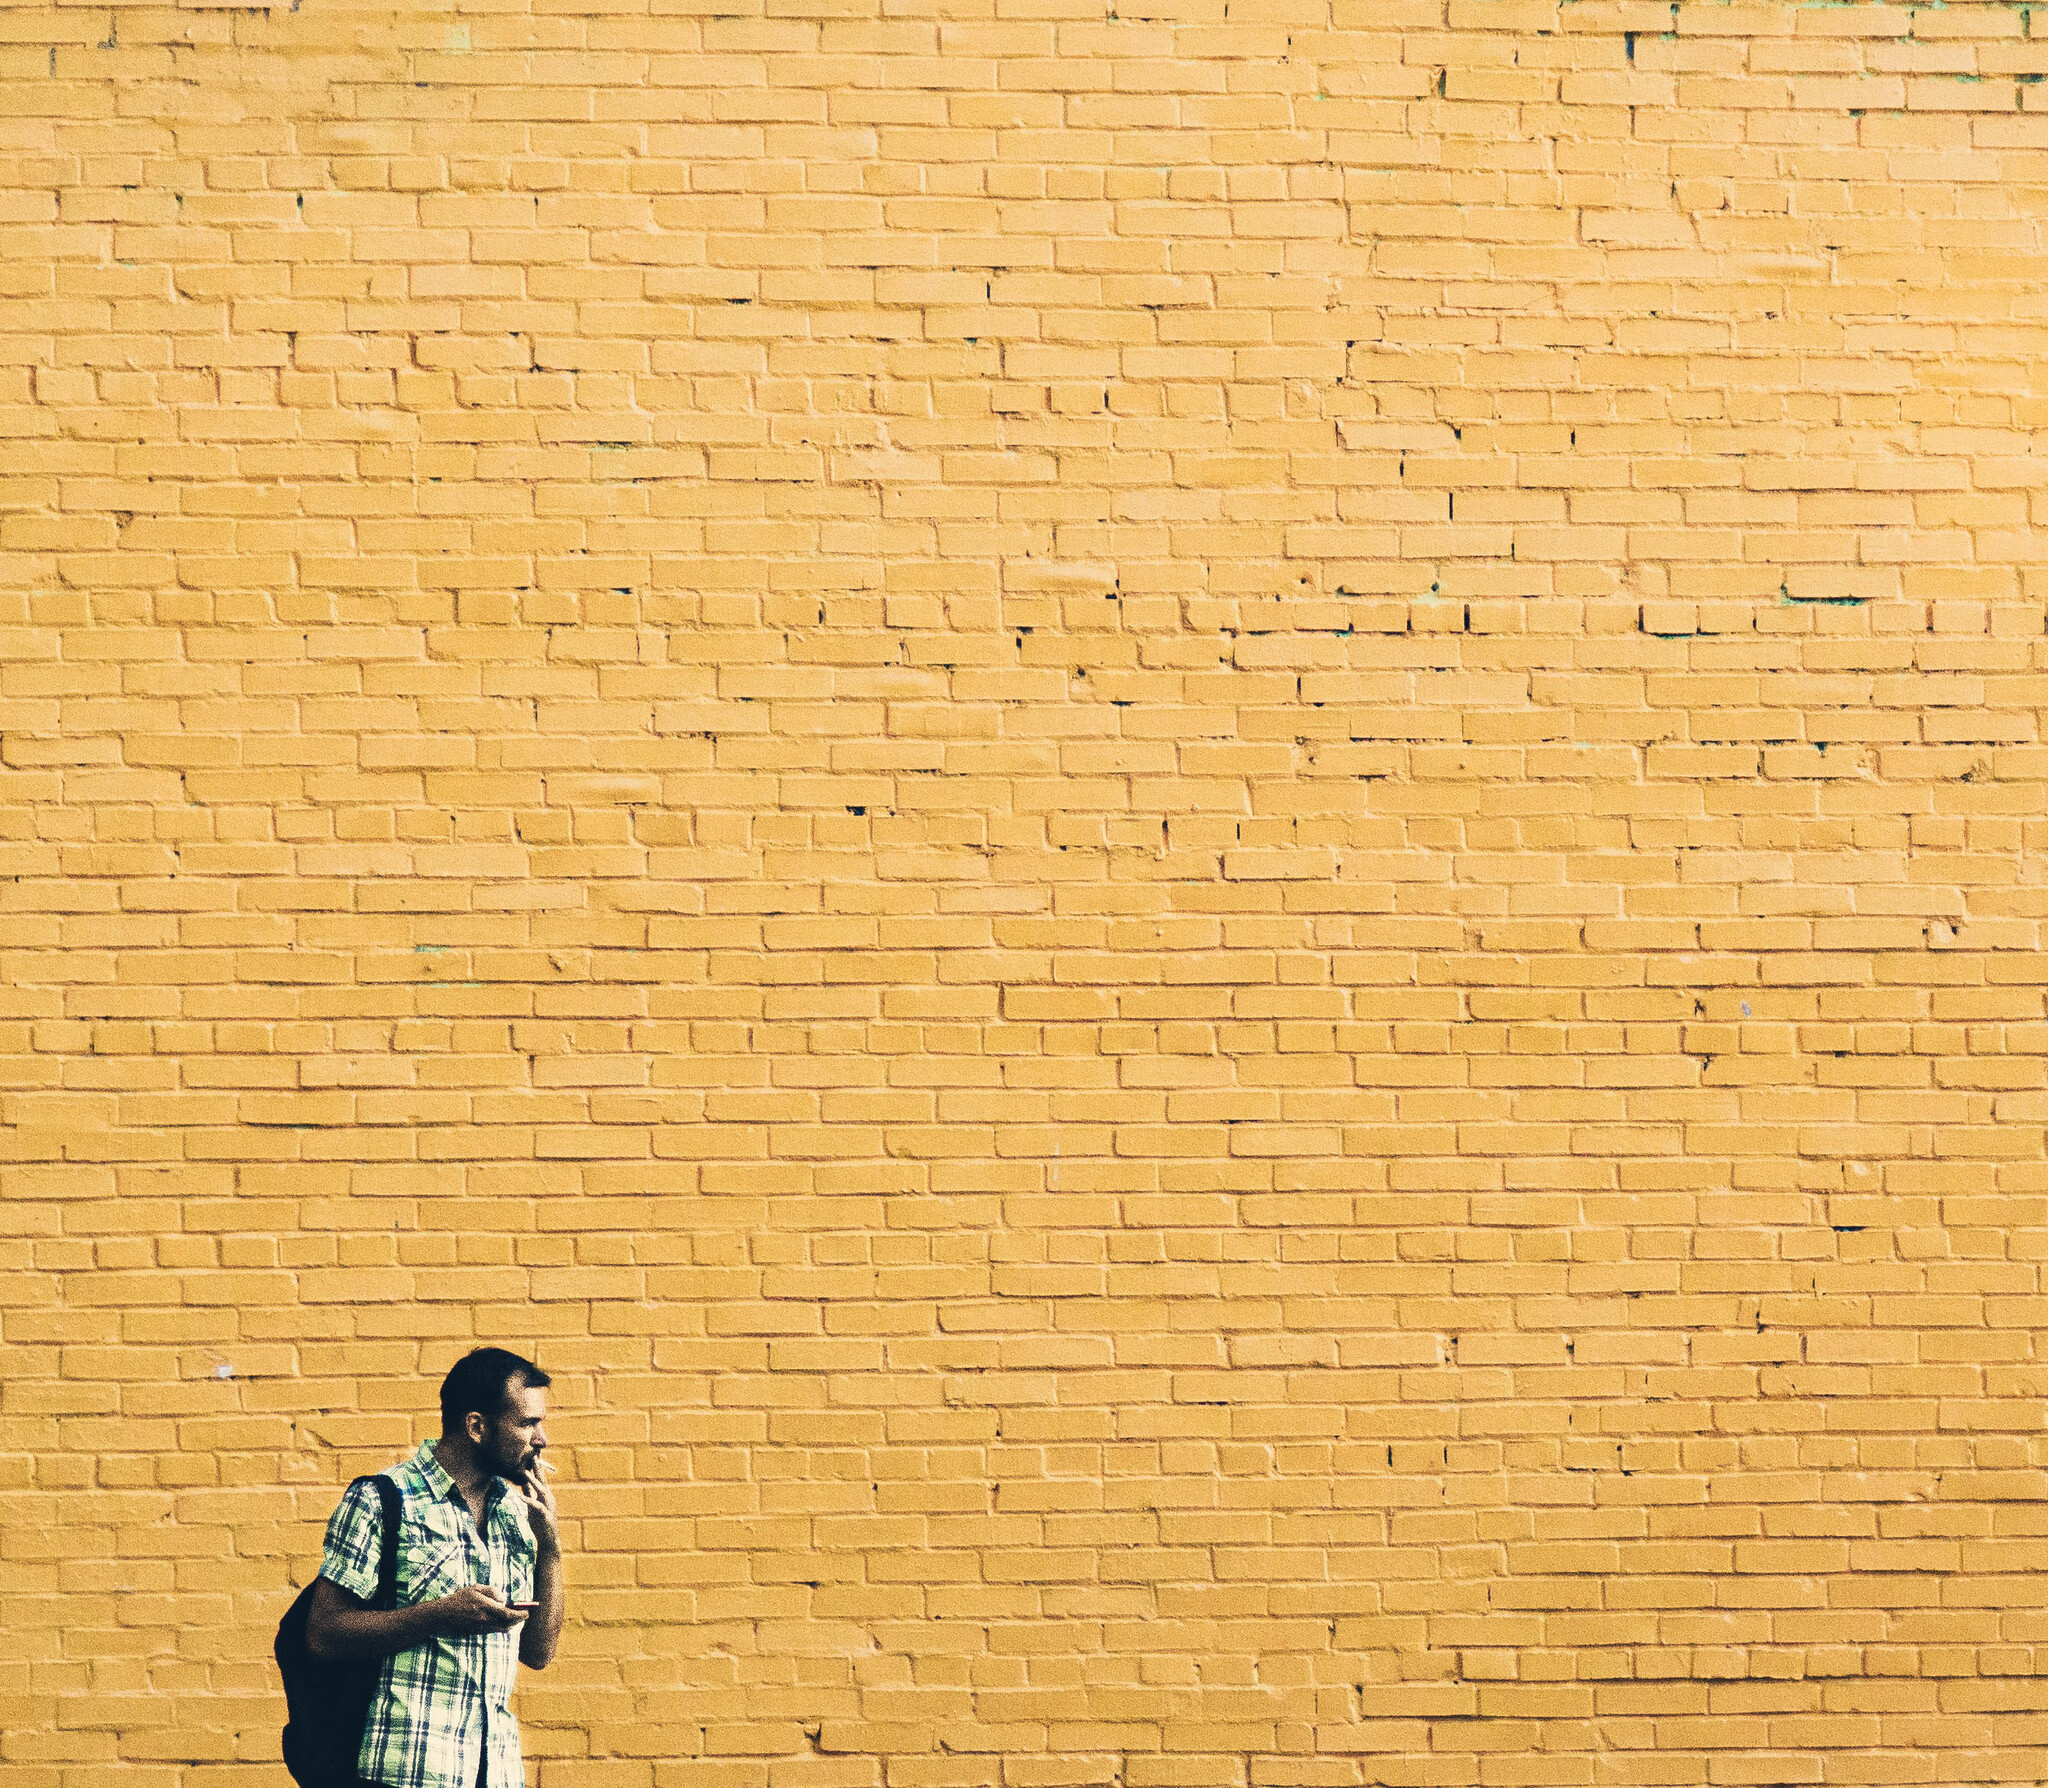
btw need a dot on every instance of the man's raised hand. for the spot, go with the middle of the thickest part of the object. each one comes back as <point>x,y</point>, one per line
<point>539,1499</point>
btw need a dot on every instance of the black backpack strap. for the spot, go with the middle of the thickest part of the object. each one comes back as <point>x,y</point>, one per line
<point>387,1565</point>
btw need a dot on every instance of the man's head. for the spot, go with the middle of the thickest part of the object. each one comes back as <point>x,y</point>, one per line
<point>493,1400</point>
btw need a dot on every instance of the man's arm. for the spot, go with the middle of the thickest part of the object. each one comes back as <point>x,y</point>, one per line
<point>537,1643</point>
<point>342,1625</point>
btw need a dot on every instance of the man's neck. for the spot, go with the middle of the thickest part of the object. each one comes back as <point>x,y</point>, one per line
<point>458,1459</point>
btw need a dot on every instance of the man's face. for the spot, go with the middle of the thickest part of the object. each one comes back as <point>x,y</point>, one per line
<point>512,1442</point>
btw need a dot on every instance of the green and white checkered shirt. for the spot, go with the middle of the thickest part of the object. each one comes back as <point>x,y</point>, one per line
<point>444,1707</point>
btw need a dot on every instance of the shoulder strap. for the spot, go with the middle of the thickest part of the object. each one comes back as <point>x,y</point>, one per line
<point>387,1565</point>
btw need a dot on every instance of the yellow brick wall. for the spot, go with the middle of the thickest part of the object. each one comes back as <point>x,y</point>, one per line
<point>1203,841</point>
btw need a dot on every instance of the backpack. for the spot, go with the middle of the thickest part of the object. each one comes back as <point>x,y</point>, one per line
<point>327,1699</point>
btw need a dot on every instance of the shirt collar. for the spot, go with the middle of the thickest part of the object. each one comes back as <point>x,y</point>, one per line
<point>442,1486</point>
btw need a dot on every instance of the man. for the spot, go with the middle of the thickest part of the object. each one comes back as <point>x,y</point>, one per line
<point>479,1581</point>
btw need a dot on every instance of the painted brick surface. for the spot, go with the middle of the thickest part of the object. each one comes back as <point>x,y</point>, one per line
<point>1203,842</point>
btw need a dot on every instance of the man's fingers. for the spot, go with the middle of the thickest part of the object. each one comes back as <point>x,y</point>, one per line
<point>490,1611</point>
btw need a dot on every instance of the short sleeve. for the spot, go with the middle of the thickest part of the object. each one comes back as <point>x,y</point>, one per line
<point>355,1542</point>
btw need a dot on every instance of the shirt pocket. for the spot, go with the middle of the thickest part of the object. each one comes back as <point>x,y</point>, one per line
<point>432,1562</point>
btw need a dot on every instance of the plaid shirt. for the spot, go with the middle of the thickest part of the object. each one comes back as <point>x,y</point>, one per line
<point>443,1707</point>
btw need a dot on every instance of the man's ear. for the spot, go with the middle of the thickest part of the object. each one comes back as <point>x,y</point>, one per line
<point>476,1427</point>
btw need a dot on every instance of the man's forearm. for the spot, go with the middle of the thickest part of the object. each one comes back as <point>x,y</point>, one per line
<point>544,1624</point>
<point>374,1632</point>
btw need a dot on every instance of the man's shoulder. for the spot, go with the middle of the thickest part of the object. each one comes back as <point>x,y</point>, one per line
<point>406,1474</point>
<point>405,1477</point>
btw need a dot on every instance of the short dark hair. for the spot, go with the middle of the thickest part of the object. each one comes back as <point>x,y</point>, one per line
<point>482,1380</point>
